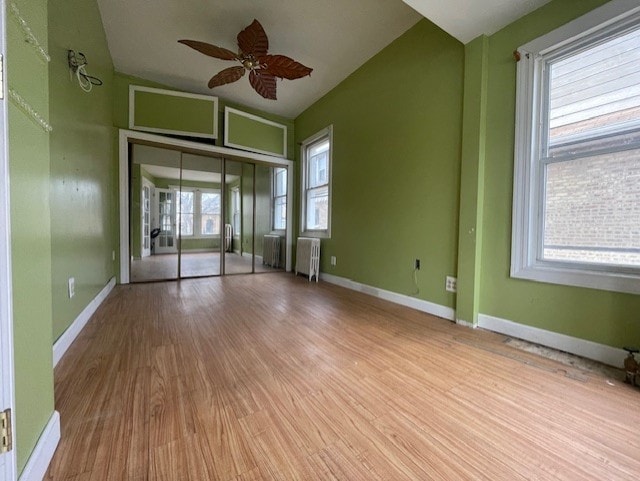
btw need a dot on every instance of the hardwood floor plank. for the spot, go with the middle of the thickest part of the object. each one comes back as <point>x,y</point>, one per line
<point>271,377</point>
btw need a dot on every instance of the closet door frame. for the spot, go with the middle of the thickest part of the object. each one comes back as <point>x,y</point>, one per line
<point>128,137</point>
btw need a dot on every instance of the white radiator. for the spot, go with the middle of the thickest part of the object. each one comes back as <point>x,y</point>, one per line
<point>271,250</point>
<point>228,237</point>
<point>308,257</point>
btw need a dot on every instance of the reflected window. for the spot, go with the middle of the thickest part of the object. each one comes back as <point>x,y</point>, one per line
<point>199,212</point>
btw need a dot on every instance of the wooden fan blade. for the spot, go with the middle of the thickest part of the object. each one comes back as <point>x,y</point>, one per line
<point>210,50</point>
<point>226,76</point>
<point>253,40</point>
<point>283,67</point>
<point>263,83</point>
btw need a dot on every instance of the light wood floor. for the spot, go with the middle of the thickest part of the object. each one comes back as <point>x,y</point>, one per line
<point>192,264</point>
<point>274,378</point>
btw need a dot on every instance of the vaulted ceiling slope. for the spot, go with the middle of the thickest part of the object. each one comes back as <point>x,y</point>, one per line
<point>334,37</point>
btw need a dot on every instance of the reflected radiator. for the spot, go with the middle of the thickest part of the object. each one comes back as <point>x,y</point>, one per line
<point>271,250</point>
<point>308,257</point>
<point>228,237</point>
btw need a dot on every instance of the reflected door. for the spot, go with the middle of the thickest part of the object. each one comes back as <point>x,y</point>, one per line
<point>166,240</point>
<point>146,219</point>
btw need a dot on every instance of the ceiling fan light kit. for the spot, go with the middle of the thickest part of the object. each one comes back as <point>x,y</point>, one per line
<point>254,58</point>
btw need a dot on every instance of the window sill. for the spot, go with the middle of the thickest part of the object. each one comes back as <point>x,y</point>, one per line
<point>199,237</point>
<point>580,276</point>
<point>316,234</point>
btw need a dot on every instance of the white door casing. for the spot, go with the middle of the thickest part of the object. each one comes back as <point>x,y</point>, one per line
<point>8,464</point>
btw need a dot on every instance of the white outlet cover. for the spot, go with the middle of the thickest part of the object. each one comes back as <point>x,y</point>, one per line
<point>451,284</point>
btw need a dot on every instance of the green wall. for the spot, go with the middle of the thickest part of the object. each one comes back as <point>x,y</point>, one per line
<point>121,111</point>
<point>168,112</point>
<point>263,206</point>
<point>249,134</point>
<point>601,316</point>
<point>30,233</point>
<point>414,151</point>
<point>83,169</point>
<point>396,164</point>
<point>472,179</point>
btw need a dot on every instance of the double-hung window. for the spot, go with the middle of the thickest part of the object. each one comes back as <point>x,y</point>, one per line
<point>279,198</point>
<point>198,212</point>
<point>209,213</point>
<point>316,184</point>
<point>576,217</point>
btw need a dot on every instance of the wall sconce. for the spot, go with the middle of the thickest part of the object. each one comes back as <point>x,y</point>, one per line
<point>77,65</point>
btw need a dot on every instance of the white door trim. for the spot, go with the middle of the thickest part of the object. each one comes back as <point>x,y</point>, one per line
<point>129,136</point>
<point>9,463</point>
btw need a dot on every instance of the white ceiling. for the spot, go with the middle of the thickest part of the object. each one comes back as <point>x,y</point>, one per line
<point>466,19</point>
<point>334,37</point>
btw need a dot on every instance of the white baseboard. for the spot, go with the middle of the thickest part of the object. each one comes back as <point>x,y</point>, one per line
<point>591,350</point>
<point>408,301</point>
<point>464,323</point>
<point>42,454</point>
<point>68,336</point>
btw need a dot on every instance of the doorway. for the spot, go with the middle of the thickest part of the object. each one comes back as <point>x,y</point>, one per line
<point>203,214</point>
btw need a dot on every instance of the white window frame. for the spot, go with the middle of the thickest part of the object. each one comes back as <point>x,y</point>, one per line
<point>320,233</point>
<point>236,210</point>
<point>526,262</point>
<point>197,212</point>
<point>275,196</point>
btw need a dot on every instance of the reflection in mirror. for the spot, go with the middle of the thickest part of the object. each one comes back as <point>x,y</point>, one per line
<point>152,216</point>
<point>200,216</point>
<point>271,217</point>
<point>239,218</point>
<point>185,214</point>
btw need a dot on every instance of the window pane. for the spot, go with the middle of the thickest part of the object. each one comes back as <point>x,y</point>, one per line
<point>281,182</point>
<point>596,90</point>
<point>280,213</point>
<point>185,210</point>
<point>210,224</point>
<point>186,224</point>
<point>318,164</point>
<point>592,209</point>
<point>210,203</point>
<point>317,208</point>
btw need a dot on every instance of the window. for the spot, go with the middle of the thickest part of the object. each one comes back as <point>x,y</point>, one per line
<point>185,212</point>
<point>576,214</point>
<point>198,212</point>
<point>209,213</point>
<point>235,210</point>
<point>316,184</point>
<point>279,204</point>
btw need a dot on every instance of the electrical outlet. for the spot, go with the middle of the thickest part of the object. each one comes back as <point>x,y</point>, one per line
<point>113,255</point>
<point>451,284</point>
<point>72,287</point>
<point>333,261</point>
<point>416,264</point>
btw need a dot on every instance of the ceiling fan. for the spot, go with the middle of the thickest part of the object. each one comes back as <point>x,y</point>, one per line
<point>253,57</point>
